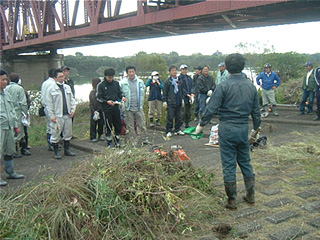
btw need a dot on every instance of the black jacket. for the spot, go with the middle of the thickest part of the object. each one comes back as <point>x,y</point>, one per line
<point>235,99</point>
<point>168,93</point>
<point>205,84</point>
<point>109,91</point>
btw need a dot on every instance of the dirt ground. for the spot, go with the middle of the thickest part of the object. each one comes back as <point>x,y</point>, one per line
<point>279,130</point>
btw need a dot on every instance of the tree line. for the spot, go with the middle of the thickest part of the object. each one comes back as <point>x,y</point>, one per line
<point>288,65</point>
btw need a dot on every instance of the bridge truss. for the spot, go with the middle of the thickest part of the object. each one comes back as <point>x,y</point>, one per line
<point>46,25</point>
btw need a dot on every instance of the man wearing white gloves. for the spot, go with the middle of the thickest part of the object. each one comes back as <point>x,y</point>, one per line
<point>234,99</point>
<point>173,102</point>
<point>206,86</point>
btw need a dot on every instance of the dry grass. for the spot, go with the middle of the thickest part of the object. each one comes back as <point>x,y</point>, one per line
<point>129,196</point>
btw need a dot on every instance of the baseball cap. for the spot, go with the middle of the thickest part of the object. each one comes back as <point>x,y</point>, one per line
<point>221,64</point>
<point>198,68</point>
<point>308,64</point>
<point>183,66</point>
<point>154,73</point>
<point>64,68</point>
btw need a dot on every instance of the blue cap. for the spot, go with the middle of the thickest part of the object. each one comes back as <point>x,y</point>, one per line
<point>308,64</point>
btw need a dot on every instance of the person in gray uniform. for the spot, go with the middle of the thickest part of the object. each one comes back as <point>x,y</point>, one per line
<point>235,99</point>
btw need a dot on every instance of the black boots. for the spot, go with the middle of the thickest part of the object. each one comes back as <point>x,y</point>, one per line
<point>317,118</point>
<point>67,151</point>
<point>56,149</point>
<point>249,183</point>
<point>231,191</point>
<point>158,122</point>
<point>50,147</point>
<point>8,165</point>
<point>23,145</point>
<point>151,122</point>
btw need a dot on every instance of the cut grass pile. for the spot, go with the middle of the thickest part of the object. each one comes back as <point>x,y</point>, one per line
<point>122,195</point>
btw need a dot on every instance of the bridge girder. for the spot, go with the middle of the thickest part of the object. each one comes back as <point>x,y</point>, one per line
<point>37,25</point>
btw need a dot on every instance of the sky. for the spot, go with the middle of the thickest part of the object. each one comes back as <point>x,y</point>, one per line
<point>300,38</point>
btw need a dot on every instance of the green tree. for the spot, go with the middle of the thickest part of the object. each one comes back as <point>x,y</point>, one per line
<point>79,54</point>
<point>288,65</point>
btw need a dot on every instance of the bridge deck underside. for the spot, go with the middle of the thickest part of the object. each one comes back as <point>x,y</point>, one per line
<point>119,30</point>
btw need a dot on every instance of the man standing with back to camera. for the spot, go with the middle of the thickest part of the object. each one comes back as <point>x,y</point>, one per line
<point>234,99</point>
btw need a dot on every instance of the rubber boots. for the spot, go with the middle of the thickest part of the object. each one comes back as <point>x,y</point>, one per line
<point>23,146</point>
<point>317,118</point>
<point>50,147</point>
<point>274,109</point>
<point>3,183</point>
<point>158,122</point>
<point>231,191</point>
<point>249,183</point>
<point>67,151</point>
<point>151,122</point>
<point>8,166</point>
<point>56,150</point>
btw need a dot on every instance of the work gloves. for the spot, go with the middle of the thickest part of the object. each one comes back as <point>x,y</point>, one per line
<point>208,99</point>
<point>254,135</point>
<point>209,93</point>
<point>164,104</point>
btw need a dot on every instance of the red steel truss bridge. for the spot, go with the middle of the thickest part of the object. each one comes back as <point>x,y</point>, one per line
<point>46,25</point>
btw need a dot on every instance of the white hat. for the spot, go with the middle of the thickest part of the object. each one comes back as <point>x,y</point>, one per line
<point>154,73</point>
<point>183,66</point>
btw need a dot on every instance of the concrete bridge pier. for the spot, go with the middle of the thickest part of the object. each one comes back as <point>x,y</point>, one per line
<point>32,69</point>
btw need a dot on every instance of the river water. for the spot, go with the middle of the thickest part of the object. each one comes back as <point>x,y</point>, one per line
<point>82,92</point>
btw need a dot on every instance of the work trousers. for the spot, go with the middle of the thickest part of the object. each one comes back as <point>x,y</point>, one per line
<point>112,119</point>
<point>318,97</point>
<point>129,117</point>
<point>202,102</point>
<point>64,126</point>
<point>196,104</point>
<point>307,94</point>
<point>7,145</point>
<point>268,97</point>
<point>48,121</point>
<point>174,113</point>
<point>187,113</point>
<point>234,148</point>
<point>19,136</point>
<point>155,109</point>
<point>94,124</point>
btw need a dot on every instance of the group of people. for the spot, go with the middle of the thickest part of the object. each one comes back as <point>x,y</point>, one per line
<point>177,94</point>
<point>115,104</point>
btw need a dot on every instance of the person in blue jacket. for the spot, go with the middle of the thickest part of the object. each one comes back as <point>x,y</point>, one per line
<point>155,98</point>
<point>270,81</point>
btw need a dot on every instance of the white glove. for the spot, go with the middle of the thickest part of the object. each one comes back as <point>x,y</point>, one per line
<point>182,105</point>
<point>254,135</point>
<point>199,129</point>
<point>191,100</point>
<point>208,99</point>
<point>164,104</point>
<point>96,116</point>
<point>209,93</point>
